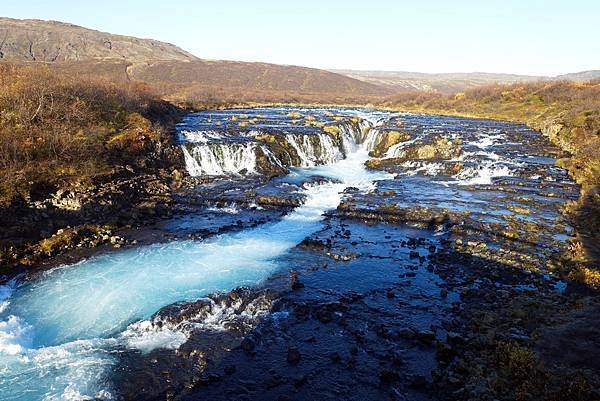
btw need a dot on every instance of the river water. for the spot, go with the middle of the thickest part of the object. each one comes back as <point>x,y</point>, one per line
<point>62,332</point>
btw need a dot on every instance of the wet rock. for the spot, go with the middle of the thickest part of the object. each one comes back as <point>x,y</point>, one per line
<point>419,382</point>
<point>318,180</point>
<point>248,345</point>
<point>425,336</point>
<point>295,282</point>
<point>445,352</point>
<point>389,376</point>
<point>387,139</point>
<point>439,149</point>
<point>406,333</point>
<point>293,356</point>
<point>326,313</point>
<point>312,244</point>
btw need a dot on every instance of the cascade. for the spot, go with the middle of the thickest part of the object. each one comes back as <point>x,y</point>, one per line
<point>208,153</point>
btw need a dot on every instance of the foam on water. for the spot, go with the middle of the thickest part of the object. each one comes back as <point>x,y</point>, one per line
<point>482,175</point>
<point>230,208</point>
<point>200,136</point>
<point>396,150</point>
<point>315,149</point>
<point>59,333</point>
<point>220,158</point>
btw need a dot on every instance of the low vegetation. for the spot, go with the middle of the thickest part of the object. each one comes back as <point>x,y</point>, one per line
<point>57,129</point>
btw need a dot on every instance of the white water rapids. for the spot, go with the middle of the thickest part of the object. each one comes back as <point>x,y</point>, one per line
<point>59,334</point>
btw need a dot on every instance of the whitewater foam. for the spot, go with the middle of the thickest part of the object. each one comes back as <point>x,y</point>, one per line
<point>81,314</point>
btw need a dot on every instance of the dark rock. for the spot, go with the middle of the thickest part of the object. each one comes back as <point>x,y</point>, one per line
<point>248,345</point>
<point>389,376</point>
<point>406,332</point>
<point>293,356</point>
<point>419,382</point>
<point>295,282</point>
<point>425,336</point>
<point>445,352</point>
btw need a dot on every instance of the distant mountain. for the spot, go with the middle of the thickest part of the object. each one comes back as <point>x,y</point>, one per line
<point>581,76</point>
<point>400,81</point>
<point>181,76</point>
<point>171,70</point>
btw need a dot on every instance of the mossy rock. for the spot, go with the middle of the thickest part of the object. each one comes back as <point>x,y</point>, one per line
<point>284,151</point>
<point>386,140</point>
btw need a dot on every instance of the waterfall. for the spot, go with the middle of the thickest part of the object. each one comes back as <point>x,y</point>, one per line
<point>220,158</point>
<point>315,149</point>
<point>214,154</point>
<point>354,134</point>
<point>371,140</point>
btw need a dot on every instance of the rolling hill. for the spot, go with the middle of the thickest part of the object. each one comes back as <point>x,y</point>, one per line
<point>173,72</point>
<point>403,81</point>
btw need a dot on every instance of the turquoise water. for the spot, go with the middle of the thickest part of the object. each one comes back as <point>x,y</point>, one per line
<point>59,334</point>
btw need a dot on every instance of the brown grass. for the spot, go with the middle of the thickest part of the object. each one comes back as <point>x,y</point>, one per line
<point>56,127</point>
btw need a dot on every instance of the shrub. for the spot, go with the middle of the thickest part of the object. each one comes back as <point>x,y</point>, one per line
<point>57,127</point>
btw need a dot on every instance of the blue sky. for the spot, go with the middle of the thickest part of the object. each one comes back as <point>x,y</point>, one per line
<point>527,37</point>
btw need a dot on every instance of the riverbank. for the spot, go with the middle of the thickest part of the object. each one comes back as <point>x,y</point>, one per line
<point>443,283</point>
<point>565,112</point>
<point>80,158</point>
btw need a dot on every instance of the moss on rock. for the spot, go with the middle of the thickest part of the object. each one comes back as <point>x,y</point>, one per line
<point>386,140</point>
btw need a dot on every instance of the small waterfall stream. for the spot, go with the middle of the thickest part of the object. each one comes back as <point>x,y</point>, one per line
<point>315,149</point>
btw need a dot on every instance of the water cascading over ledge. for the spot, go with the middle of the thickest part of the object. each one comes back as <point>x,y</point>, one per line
<point>271,152</point>
<point>61,334</point>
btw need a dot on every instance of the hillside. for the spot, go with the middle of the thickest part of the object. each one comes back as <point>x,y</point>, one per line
<point>171,71</point>
<point>580,76</point>
<point>51,41</point>
<point>76,151</point>
<point>234,81</point>
<point>403,81</point>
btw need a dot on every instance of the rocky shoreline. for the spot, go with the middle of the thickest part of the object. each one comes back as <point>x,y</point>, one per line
<point>388,301</point>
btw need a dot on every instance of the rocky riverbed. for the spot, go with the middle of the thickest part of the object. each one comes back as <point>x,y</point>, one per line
<point>438,271</point>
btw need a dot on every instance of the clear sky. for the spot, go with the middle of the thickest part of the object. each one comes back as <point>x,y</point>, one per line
<point>543,37</point>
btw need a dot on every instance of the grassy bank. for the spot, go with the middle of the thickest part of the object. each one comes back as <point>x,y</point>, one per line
<point>79,157</point>
<point>567,113</point>
<point>58,129</point>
